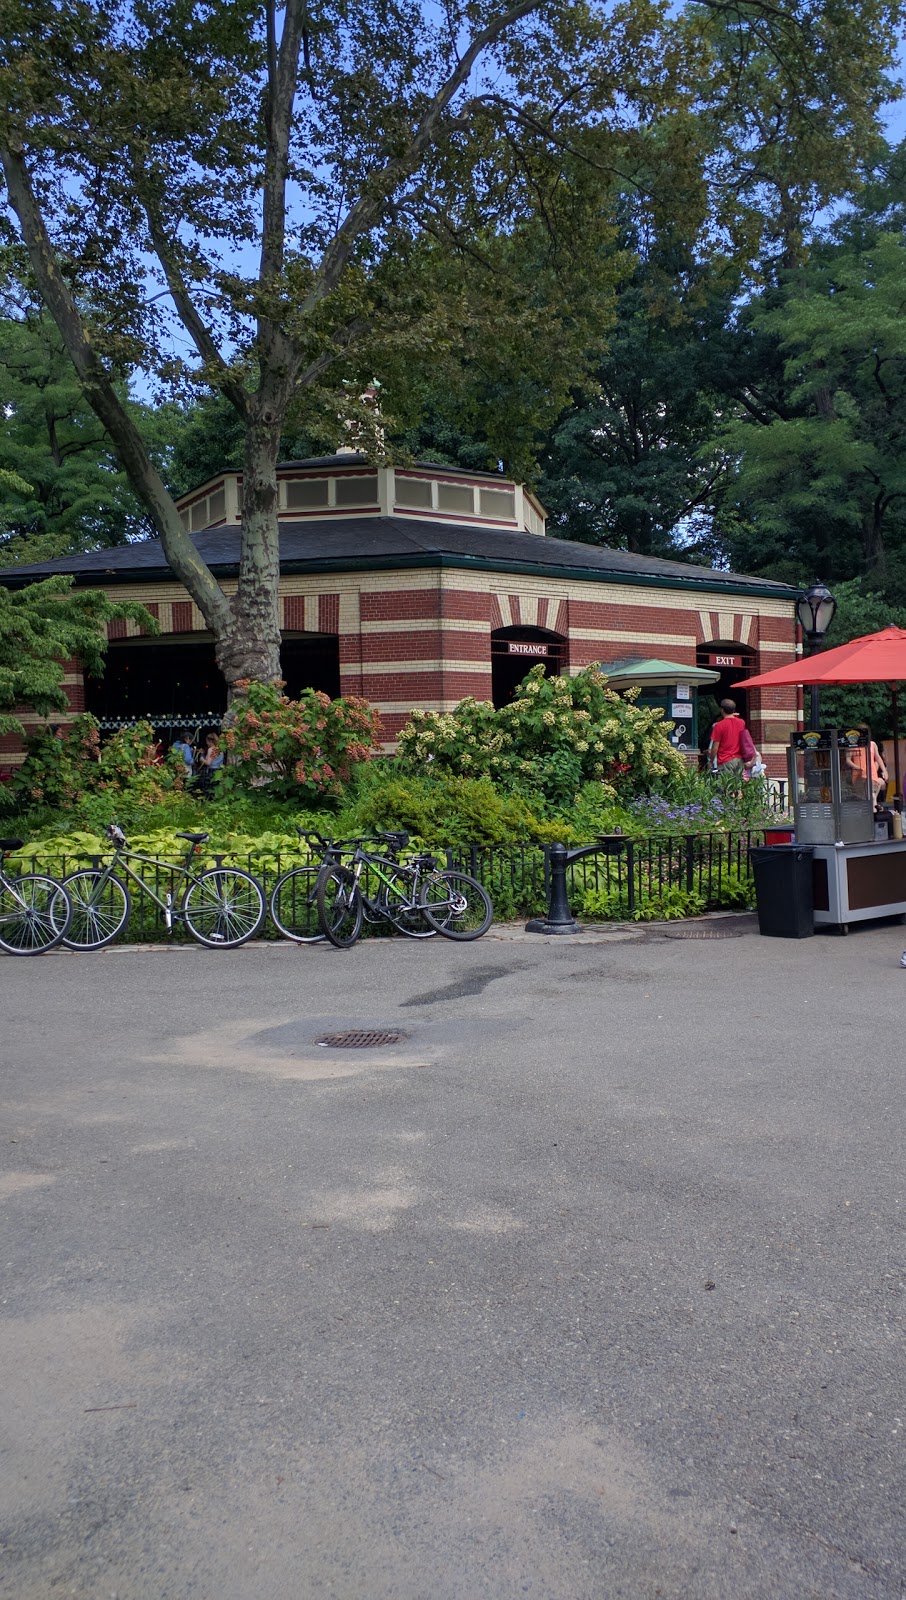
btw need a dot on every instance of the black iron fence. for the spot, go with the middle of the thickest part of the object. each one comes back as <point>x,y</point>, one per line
<point>622,874</point>
<point>616,881</point>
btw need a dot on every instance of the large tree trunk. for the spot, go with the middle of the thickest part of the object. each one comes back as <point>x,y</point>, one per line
<point>873,535</point>
<point>250,648</point>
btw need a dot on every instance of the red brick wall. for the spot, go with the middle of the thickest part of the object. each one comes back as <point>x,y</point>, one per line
<point>294,612</point>
<point>388,631</point>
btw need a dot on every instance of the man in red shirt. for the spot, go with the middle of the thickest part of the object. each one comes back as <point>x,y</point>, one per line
<point>724,751</point>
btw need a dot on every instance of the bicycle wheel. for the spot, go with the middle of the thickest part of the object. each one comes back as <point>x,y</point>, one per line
<point>294,905</point>
<point>100,909</point>
<point>224,907</point>
<point>34,914</point>
<point>406,918</point>
<point>456,905</point>
<point>339,906</point>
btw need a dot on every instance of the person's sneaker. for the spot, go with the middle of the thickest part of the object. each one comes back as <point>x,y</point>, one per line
<point>903,959</point>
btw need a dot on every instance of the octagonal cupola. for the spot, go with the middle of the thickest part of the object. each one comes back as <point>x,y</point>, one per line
<point>349,485</point>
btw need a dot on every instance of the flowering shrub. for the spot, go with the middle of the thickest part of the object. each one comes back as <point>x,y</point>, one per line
<point>296,748</point>
<point>63,771</point>
<point>556,735</point>
<point>57,770</point>
<point>129,763</point>
<point>703,804</point>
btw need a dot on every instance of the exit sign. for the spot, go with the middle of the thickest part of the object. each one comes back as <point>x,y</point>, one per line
<point>724,661</point>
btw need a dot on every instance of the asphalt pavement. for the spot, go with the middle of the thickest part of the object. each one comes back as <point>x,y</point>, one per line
<point>588,1286</point>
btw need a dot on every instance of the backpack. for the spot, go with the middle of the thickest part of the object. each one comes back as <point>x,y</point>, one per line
<point>747,746</point>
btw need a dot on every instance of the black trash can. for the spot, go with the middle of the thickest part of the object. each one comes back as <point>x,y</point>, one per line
<point>783,890</point>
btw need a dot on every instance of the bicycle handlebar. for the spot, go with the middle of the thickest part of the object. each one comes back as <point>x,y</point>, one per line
<point>396,841</point>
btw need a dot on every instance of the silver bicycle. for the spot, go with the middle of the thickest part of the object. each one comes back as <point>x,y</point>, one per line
<point>35,911</point>
<point>221,907</point>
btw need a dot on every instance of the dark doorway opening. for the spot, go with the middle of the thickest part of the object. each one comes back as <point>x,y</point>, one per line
<point>732,661</point>
<point>514,651</point>
<point>311,661</point>
<point>164,681</point>
<point>172,680</point>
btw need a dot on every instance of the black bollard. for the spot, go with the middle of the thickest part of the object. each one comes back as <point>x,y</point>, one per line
<point>559,918</point>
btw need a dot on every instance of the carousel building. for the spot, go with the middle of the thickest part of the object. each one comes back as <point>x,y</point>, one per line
<point>418,586</point>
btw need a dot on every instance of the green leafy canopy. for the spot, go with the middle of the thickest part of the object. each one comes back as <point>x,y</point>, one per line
<point>43,627</point>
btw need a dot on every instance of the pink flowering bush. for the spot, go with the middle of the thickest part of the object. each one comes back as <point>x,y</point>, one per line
<point>57,771</point>
<point>64,771</point>
<point>296,748</point>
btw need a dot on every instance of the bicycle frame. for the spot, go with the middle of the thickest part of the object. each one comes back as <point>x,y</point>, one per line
<point>121,859</point>
<point>10,884</point>
<point>363,858</point>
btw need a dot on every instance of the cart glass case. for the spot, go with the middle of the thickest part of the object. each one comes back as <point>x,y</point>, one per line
<point>830,785</point>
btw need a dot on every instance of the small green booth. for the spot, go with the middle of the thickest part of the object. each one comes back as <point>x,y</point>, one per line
<point>671,686</point>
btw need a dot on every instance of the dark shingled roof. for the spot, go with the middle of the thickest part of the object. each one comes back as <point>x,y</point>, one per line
<point>359,543</point>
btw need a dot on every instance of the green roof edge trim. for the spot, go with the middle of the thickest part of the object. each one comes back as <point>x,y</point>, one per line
<point>762,587</point>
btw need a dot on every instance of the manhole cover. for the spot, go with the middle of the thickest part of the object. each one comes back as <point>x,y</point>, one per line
<point>705,933</point>
<point>362,1038</point>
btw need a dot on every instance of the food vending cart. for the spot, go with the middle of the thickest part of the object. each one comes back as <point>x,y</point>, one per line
<point>859,872</point>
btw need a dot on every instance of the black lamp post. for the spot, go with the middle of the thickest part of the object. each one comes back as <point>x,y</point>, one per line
<point>815,610</point>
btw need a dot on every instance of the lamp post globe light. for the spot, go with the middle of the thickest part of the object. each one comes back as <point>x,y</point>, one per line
<point>815,610</point>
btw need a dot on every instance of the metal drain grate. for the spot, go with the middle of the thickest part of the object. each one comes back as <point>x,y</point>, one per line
<point>705,933</point>
<point>362,1038</point>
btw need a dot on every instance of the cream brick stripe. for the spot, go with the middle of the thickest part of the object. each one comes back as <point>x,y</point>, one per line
<point>631,636</point>
<point>370,669</point>
<point>427,625</point>
<point>396,707</point>
<point>31,719</point>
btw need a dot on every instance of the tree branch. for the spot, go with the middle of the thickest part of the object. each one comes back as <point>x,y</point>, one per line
<point>103,399</point>
<point>380,185</point>
<point>191,318</point>
<point>282,78</point>
<point>341,341</point>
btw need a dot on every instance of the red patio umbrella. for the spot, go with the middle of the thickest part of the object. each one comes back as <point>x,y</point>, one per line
<point>875,658</point>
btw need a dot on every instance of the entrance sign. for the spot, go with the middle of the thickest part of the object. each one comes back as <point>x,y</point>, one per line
<point>515,647</point>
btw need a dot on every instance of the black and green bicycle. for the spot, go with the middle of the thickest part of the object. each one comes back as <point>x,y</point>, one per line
<point>221,907</point>
<point>416,896</point>
<point>294,898</point>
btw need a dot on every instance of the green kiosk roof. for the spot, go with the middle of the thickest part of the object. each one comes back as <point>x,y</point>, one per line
<point>652,673</point>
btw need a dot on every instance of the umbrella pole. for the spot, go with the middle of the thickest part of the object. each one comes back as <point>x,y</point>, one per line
<point>896,742</point>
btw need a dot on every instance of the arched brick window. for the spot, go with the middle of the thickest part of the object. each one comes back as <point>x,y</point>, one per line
<point>514,651</point>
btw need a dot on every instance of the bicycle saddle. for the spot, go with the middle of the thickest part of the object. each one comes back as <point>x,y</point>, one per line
<point>10,844</point>
<point>194,838</point>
